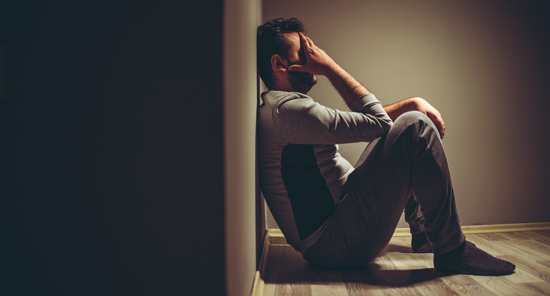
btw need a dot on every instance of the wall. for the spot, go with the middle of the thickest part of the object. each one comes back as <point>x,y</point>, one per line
<point>243,230</point>
<point>111,148</point>
<point>483,64</point>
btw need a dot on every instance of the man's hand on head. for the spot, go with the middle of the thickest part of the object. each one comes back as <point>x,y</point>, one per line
<point>318,62</point>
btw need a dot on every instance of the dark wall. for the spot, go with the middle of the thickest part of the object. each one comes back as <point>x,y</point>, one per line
<point>111,139</point>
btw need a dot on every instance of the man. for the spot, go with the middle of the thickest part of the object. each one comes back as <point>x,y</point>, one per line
<point>337,215</point>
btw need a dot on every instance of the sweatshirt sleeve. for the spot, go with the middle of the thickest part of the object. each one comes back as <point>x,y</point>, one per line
<point>300,120</point>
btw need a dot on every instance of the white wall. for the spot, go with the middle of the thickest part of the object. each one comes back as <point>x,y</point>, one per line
<point>241,18</point>
<point>479,62</point>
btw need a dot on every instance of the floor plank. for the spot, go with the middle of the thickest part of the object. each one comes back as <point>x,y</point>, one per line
<point>543,232</point>
<point>500,286</point>
<point>398,271</point>
<point>272,269</point>
<point>465,285</point>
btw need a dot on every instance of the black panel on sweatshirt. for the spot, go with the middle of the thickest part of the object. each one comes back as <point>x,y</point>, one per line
<point>309,195</point>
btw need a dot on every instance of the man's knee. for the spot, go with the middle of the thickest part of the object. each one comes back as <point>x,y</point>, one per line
<point>416,122</point>
<point>412,118</point>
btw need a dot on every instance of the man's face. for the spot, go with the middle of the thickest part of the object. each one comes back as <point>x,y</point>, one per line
<point>300,81</point>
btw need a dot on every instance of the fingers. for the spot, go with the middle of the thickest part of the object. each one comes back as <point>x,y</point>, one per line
<point>307,43</point>
<point>425,107</point>
<point>442,131</point>
<point>306,40</point>
<point>307,51</point>
<point>439,123</point>
<point>441,128</point>
<point>316,60</point>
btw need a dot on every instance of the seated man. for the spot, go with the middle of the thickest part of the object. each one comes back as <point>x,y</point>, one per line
<point>337,215</point>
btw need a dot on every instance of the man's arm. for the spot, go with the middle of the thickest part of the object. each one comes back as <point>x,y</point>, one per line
<point>300,120</point>
<point>318,62</point>
<point>417,104</point>
<point>373,121</point>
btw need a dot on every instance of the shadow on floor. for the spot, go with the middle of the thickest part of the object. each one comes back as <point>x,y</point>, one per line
<point>396,248</point>
<point>289,267</point>
<point>372,275</point>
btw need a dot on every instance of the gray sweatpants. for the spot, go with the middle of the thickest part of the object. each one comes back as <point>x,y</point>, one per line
<point>404,170</point>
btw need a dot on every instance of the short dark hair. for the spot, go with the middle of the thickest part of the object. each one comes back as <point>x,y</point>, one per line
<point>270,41</point>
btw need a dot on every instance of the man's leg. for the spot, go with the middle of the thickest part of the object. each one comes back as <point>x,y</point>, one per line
<point>413,215</point>
<point>410,158</point>
<point>415,219</point>
<point>378,189</point>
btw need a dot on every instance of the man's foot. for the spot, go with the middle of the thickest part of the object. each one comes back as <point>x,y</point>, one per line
<point>420,244</point>
<point>467,258</point>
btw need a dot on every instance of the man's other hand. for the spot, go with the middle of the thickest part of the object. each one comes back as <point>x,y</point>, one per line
<point>425,107</point>
<point>318,62</point>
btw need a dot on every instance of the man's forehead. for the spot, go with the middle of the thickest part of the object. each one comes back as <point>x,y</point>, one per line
<point>293,38</point>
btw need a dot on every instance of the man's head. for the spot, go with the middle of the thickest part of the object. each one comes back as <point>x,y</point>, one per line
<point>278,48</point>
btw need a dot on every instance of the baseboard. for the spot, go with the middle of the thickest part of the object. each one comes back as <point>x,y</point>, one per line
<point>259,283</point>
<point>276,237</point>
<point>489,228</point>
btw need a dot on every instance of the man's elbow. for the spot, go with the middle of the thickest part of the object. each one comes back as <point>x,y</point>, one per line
<point>386,125</point>
<point>376,128</point>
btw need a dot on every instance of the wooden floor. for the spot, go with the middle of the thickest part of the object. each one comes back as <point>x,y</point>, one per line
<point>398,271</point>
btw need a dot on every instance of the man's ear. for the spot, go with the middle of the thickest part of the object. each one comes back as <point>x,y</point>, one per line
<point>278,63</point>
